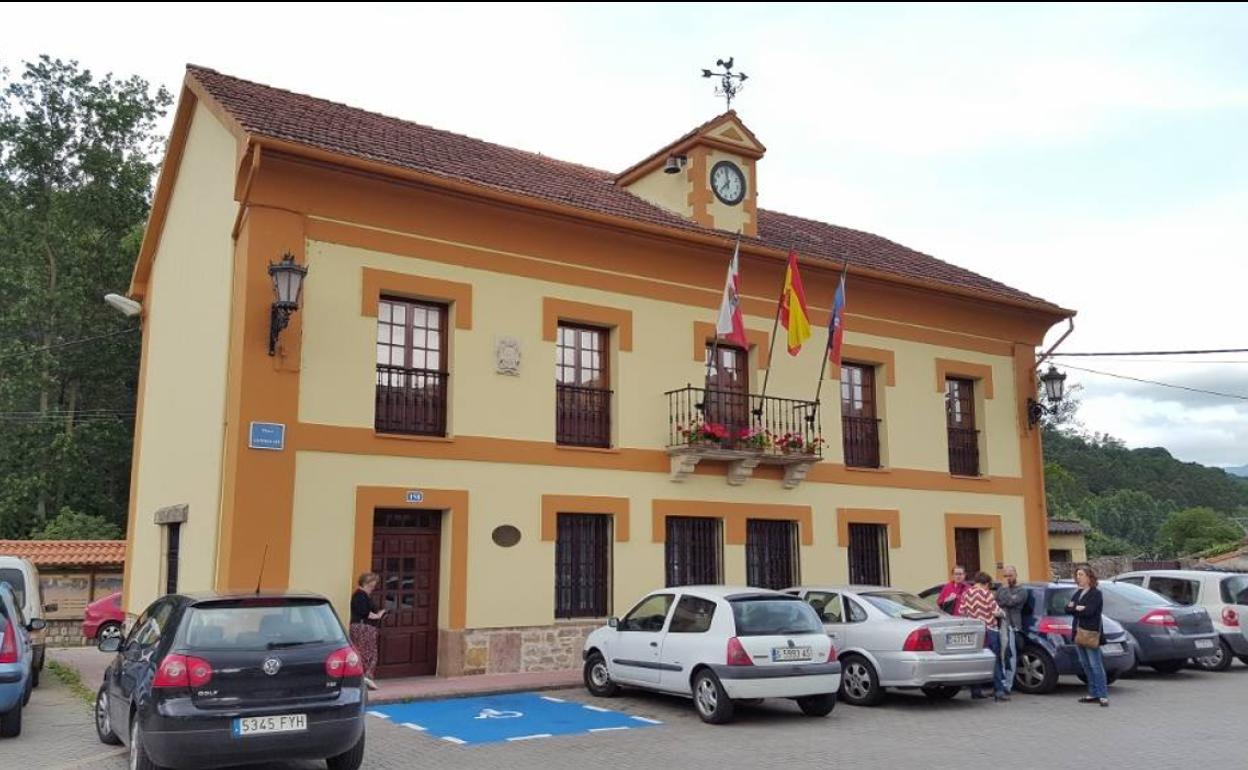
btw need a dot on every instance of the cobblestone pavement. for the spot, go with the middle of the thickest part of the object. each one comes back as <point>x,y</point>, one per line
<point>1191,719</point>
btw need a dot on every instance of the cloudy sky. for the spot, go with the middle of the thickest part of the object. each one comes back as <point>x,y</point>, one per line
<point>1093,155</point>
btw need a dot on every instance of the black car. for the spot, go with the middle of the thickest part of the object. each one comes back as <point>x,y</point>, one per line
<point>218,680</point>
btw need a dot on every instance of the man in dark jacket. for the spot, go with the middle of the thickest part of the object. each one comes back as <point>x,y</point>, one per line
<point>1013,600</point>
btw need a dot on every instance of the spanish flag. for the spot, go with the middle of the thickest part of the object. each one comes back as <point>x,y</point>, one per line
<point>793,313</point>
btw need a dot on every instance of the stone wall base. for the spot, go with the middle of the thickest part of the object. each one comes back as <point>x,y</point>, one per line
<point>516,650</point>
<point>66,633</point>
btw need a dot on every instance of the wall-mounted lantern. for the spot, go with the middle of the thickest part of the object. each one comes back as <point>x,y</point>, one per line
<point>1054,391</point>
<point>287,289</point>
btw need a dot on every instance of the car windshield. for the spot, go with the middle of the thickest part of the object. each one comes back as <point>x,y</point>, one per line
<point>774,616</point>
<point>1235,590</point>
<point>896,604</point>
<point>1137,595</point>
<point>261,624</point>
<point>17,580</point>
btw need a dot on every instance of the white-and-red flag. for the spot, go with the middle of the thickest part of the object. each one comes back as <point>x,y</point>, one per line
<point>731,322</point>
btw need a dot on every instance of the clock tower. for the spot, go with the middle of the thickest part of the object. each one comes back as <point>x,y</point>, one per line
<point>707,176</point>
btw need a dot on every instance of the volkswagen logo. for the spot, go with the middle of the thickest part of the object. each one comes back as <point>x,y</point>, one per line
<point>272,666</point>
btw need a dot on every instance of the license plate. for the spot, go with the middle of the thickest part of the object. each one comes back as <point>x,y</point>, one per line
<point>960,640</point>
<point>1204,644</point>
<point>787,654</point>
<point>282,723</point>
<point>1112,649</point>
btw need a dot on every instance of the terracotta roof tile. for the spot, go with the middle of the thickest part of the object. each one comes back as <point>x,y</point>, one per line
<point>66,553</point>
<point>1067,527</point>
<point>279,114</point>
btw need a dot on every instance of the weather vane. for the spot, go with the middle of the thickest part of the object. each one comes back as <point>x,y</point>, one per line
<point>730,83</point>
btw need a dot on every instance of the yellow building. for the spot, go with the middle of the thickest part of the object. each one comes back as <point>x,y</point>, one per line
<point>407,421</point>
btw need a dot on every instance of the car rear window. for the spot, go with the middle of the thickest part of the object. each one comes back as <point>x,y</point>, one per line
<point>17,580</point>
<point>897,604</point>
<point>260,625</point>
<point>1135,594</point>
<point>1235,590</point>
<point>774,616</point>
<point>1056,600</point>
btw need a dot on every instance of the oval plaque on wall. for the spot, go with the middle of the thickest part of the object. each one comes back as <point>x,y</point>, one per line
<point>506,536</point>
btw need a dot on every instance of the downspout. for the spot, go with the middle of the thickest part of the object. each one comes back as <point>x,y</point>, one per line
<point>1048,353</point>
<point>242,204</point>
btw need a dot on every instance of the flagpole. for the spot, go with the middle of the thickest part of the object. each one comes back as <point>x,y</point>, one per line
<point>827,350</point>
<point>714,357</point>
<point>775,326</point>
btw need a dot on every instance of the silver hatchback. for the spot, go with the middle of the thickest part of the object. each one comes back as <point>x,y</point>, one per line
<point>886,637</point>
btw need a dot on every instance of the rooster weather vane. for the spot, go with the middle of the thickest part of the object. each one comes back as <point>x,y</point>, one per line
<point>730,83</point>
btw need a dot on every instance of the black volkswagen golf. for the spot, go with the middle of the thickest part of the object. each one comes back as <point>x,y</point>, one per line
<point>216,680</point>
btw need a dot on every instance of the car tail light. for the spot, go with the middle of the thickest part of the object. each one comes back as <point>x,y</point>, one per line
<point>919,640</point>
<point>1055,626</point>
<point>344,663</point>
<point>737,656</point>
<point>831,653</point>
<point>8,645</point>
<point>183,671</point>
<point>1230,617</point>
<point>1163,618</point>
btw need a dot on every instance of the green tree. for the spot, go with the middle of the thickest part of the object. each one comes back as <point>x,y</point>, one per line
<point>76,166</point>
<point>69,525</point>
<point>1128,515</point>
<point>1197,529</point>
<point>1063,492</point>
<point>1100,544</point>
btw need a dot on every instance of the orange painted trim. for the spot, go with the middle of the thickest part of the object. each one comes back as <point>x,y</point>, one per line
<point>734,516</point>
<point>132,512</point>
<point>682,145</point>
<point>704,334</point>
<point>889,518</point>
<point>861,354</point>
<point>699,198</point>
<point>974,521</point>
<point>379,282</point>
<point>339,439</point>
<point>946,368</point>
<point>555,310</point>
<point>1031,454</point>
<point>750,204</point>
<point>453,501</point>
<point>163,195</point>
<point>553,505</point>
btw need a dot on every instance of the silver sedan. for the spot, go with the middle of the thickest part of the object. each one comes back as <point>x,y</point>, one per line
<point>885,637</point>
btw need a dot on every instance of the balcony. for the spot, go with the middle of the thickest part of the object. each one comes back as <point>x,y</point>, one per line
<point>963,452</point>
<point>744,430</point>
<point>582,416</point>
<point>410,401</point>
<point>862,441</point>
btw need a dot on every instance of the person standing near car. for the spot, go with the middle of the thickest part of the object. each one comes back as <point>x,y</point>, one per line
<point>1086,605</point>
<point>1012,598</point>
<point>979,603</point>
<point>364,623</point>
<point>950,599</point>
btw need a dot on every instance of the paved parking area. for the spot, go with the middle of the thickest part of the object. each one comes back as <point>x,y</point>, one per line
<point>1191,719</point>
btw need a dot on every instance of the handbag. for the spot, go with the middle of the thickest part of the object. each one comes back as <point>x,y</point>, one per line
<point>1087,638</point>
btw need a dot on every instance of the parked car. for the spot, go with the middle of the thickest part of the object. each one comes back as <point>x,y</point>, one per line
<point>24,578</point>
<point>718,645</point>
<point>1224,595</point>
<point>216,680</point>
<point>103,618</point>
<point>1047,649</point>
<point>885,637</point>
<point>17,661</point>
<point>1166,635</point>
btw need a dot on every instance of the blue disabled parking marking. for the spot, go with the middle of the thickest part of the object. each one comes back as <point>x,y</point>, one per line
<point>506,718</point>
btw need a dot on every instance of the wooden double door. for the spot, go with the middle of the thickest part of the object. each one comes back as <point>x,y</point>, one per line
<point>406,550</point>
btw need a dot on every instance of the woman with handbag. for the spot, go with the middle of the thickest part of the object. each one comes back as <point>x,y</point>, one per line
<point>1086,605</point>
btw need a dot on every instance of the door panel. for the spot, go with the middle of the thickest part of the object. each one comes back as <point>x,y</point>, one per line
<point>639,640</point>
<point>406,549</point>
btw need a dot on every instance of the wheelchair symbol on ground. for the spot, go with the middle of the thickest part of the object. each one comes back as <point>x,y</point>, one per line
<point>498,718</point>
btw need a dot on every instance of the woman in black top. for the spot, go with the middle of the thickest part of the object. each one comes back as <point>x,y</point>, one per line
<point>1086,605</point>
<point>364,624</point>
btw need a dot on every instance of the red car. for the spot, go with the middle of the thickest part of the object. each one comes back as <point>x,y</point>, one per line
<point>103,618</point>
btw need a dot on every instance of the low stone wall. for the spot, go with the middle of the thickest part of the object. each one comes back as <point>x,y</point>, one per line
<point>512,650</point>
<point>66,633</point>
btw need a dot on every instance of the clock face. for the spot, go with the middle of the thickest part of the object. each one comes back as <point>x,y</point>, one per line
<point>728,182</point>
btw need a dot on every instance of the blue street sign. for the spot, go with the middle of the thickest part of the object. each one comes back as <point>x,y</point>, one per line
<point>415,496</point>
<point>267,435</point>
<point>512,718</point>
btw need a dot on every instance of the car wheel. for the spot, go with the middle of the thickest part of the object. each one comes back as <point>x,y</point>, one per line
<point>817,705</point>
<point>108,630</point>
<point>941,691</point>
<point>860,685</point>
<point>1168,666</point>
<point>1220,660</point>
<point>598,677</point>
<point>34,677</point>
<point>11,723</point>
<point>350,759</point>
<point>139,760</point>
<point>1037,672</point>
<point>104,720</point>
<point>710,699</point>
